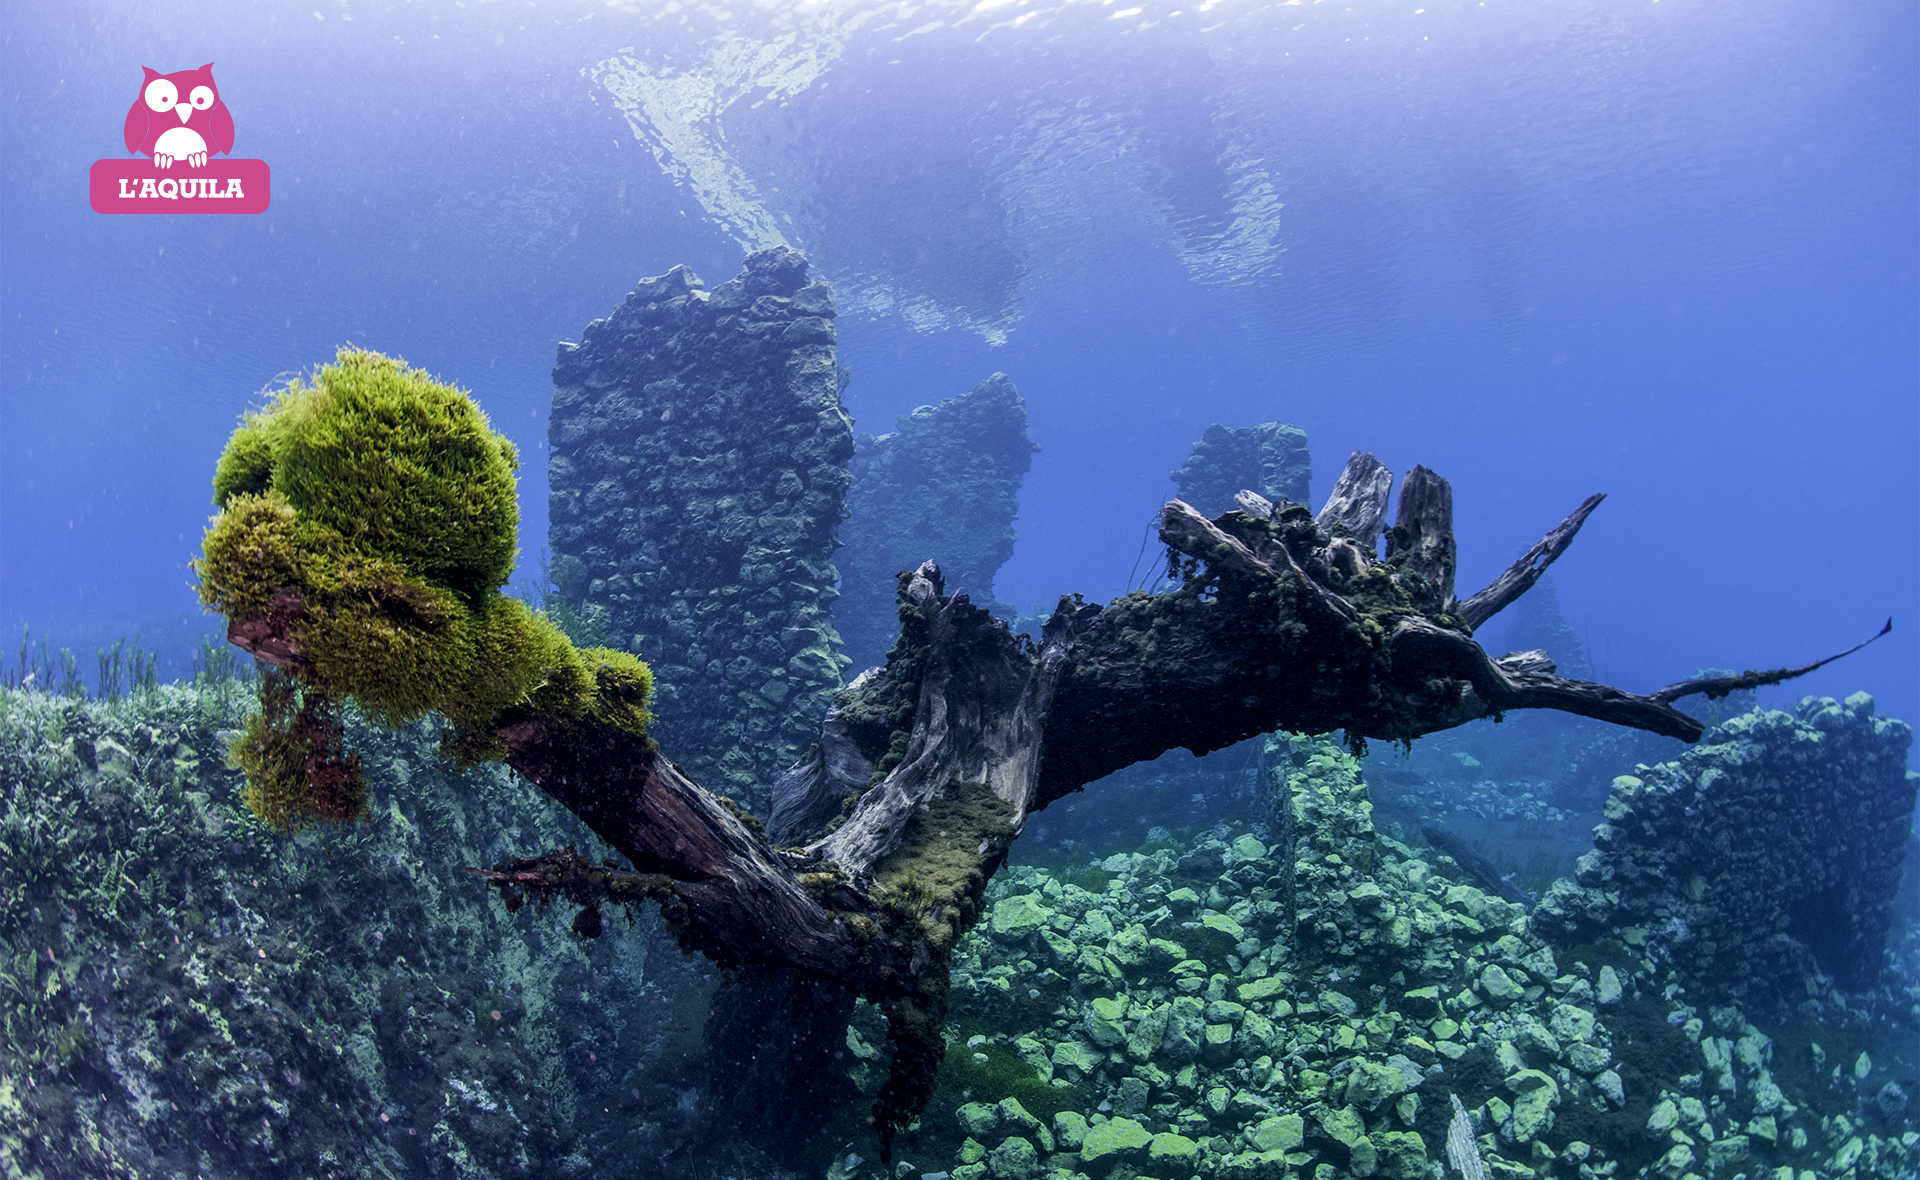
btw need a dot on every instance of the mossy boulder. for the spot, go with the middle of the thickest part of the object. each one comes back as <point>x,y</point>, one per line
<point>1535,1096</point>
<point>1171,1150</point>
<point>1280,1133</point>
<point>1115,1139</point>
<point>1015,1159</point>
<point>1019,916</point>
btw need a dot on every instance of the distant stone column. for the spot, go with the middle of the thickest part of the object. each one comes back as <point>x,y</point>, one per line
<point>944,486</point>
<point>1270,458</point>
<point>697,461</point>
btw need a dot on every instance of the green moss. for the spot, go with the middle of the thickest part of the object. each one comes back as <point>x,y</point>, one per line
<point>929,889</point>
<point>298,770</point>
<point>368,518</point>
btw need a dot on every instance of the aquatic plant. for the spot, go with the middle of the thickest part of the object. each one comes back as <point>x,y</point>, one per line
<point>183,994</point>
<point>367,522</point>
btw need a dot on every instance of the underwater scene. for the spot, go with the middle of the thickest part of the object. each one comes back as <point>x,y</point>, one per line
<point>975,590</point>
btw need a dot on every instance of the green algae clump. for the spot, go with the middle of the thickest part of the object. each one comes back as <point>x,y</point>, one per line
<point>367,522</point>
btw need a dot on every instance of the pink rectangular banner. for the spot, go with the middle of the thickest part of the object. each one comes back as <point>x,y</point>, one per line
<point>219,186</point>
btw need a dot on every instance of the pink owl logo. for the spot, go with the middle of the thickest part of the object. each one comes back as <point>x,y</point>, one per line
<point>180,117</point>
<point>180,123</point>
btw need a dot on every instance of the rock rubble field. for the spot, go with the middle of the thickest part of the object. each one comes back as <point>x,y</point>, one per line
<point>1206,1007</point>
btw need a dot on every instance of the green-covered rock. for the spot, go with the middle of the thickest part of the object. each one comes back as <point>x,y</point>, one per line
<point>1402,1155</point>
<point>1019,915</point>
<point>1343,1125</point>
<point>1106,1021</point>
<point>1014,1117</point>
<point>977,1119</point>
<point>1216,1044</point>
<point>1170,1150</point>
<point>1260,989</point>
<point>1015,1159</point>
<point>1248,847</point>
<point>1370,1084</point>
<point>1535,1096</point>
<point>1070,1129</point>
<point>1078,1055</point>
<point>1221,924</point>
<point>1148,1031</point>
<point>1499,986</point>
<point>1280,1133</point>
<point>1117,1138</point>
<point>1253,1165</point>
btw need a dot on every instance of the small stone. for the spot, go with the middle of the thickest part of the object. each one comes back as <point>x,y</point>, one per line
<point>1402,1155</point>
<point>972,1151</point>
<point>1728,1149</point>
<point>1173,1150</point>
<point>1014,1115</point>
<point>1222,924</point>
<point>1015,1159</point>
<point>1570,1022</point>
<point>1588,1059</point>
<point>1369,1085</point>
<point>1862,1066</point>
<point>1104,1021</point>
<point>1260,989</point>
<point>1608,1083</point>
<point>1343,1126</point>
<point>1498,986</point>
<point>1508,1058</point>
<point>1114,1139</point>
<point>1070,1129</point>
<point>1763,1127</point>
<point>1279,1133</point>
<point>1248,848</point>
<point>1848,1153</point>
<point>978,1119</point>
<point>1665,1117</point>
<point>1536,1094</point>
<point>1148,1031</point>
<point>1608,990</point>
<point>1018,916</point>
<point>1183,896</point>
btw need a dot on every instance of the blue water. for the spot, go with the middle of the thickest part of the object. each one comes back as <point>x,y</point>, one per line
<point>1664,250</point>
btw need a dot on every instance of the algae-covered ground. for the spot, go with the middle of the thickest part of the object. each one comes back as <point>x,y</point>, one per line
<point>1197,1008</point>
<point>187,994</point>
<point>1156,990</point>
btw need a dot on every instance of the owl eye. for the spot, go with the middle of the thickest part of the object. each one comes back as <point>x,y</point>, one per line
<point>161,95</point>
<point>202,97</point>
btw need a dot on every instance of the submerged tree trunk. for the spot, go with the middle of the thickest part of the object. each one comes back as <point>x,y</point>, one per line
<point>932,765</point>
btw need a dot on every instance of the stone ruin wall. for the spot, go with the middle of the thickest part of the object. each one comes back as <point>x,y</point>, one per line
<point>945,484</point>
<point>1768,852</point>
<point>698,453</point>
<point>1270,458</point>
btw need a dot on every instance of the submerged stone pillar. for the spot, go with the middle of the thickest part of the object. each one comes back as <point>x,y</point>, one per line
<point>945,486</point>
<point>697,461</point>
<point>1270,458</point>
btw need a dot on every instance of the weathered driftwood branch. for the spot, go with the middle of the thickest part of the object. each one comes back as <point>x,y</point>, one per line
<point>1521,575</point>
<point>1358,502</point>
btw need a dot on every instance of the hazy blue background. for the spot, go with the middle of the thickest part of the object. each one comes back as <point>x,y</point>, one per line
<point>1660,248</point>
